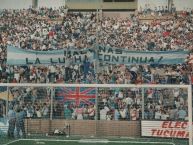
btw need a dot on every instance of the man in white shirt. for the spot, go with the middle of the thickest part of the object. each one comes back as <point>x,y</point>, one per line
<point>157,114</point>
<point>103,113</point>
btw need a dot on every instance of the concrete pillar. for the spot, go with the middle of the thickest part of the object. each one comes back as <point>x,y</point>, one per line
<point>34,3</point>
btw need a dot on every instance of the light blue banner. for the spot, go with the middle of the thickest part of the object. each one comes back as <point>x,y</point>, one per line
<point>122,56</point>
<point>17,56</point>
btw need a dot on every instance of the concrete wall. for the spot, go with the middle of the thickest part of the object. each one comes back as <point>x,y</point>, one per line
<point>15,4</point>
<point>179,4</point>
<point>85,127</point>
<point>104,5</point>
<point>152,3</point>
<point>51,3</point>
<point>20,4</point>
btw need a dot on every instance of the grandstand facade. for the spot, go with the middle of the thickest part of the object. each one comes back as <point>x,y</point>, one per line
<point>110,5</point>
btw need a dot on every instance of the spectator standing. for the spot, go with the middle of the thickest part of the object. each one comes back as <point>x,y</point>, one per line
<point>67,112</point>
<point>45,111</point>
<point>116,115</point>
<point>79,113</point>
<point>20,116</point>
<point>181,113</point>
<point>133,114</point>
<point>12,119</point>
<point>103,113</point>
<point>173,113</point>
<point>157,114</point>
<point>91,112</point>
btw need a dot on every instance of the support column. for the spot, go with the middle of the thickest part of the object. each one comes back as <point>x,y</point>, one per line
<point>34,3</point>
<point>170,3</point>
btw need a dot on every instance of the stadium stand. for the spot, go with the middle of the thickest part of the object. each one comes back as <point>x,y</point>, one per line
<point>147,30</point>
<point>40,31</point>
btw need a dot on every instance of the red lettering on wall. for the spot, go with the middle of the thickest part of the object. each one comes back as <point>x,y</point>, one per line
<point>165,124</point>
<point>166,132</point>
<point>187,135</point>
<point>180,134</point>
<point>159,132</point>
<point>178,124</point>
<point>170,133</point>
<point>170,125</point>
<point>184,125</point>
<point>153,131</point>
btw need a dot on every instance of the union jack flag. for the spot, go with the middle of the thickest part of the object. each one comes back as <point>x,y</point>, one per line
<point>78,96</point>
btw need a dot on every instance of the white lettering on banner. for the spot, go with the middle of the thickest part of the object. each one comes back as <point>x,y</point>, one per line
<point>105,54</point>
<point>122,56</point>
<point>26,57</point>
<point>168,129</point>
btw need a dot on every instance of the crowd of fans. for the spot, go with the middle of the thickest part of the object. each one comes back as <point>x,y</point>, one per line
<point>159,104</point>
<point>113,104</point>
<point>36,103</point>
<point>49,29</point>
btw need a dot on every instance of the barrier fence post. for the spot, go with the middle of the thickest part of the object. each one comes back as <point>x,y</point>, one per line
<point>51,101</point>
<point>143,101</point>
<point>190,113</point>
